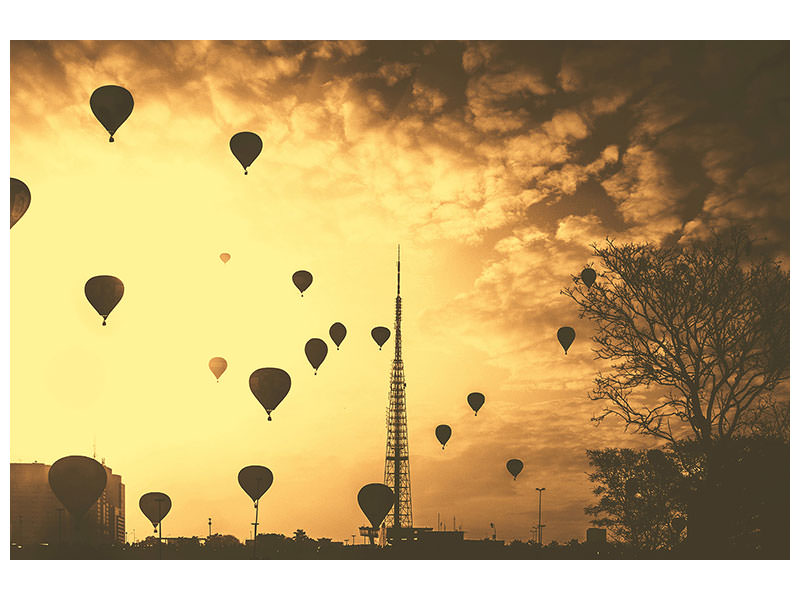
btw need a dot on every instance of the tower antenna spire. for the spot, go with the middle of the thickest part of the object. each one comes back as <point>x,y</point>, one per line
<point>397,474</point>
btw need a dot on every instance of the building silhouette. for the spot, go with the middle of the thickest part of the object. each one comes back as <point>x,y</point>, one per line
<point>38,517</point>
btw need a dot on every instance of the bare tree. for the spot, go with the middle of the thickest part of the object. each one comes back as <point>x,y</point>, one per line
<point>705,324</point>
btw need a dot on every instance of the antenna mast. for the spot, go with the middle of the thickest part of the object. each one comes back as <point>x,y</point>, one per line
<point>397,474</point>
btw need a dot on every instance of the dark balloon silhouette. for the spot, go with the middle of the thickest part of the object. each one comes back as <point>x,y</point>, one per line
<point>301,280</point>
<point>155,506</point>
<point>316,351</point>
<point>104,292</point>
<point>20,200</point>
<point>270,385</point>
<point>375,500</point>
<point>475,401</point>
<point>338,332</point>
<point>443,433</point>
<point>246,146</point>
<point>380,335</point>
<point>566,335</point>
<point>514,467</point>
<point>77,481</point>
<point>112,105</point>
<point>224,257</point>
<point>218,366</point>
<point>255,481</point>
<point>589,276</point>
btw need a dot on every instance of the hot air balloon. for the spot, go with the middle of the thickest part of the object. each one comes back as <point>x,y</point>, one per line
<point>270,385</point>
<point>375,500</point>
<point>246,146</point>
<point>255,481</point>
<point>302,279</point>
<point>218,366</point>
<point>475,401</point>
<point>111,104</point>
<point>104,292</point>
<point>155,506</point>
<point>589,276</point>
<point>566,335</point>
<point>77,481</point>
<point>337,331</point>
<point>316,351</point>
<point>224,257</point>
<point>514,467</point>
<point>380,335</point>
<point>443,433</point>
<point>20,200</point>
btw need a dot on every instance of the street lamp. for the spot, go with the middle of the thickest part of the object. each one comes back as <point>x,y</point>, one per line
<point>540,490</point>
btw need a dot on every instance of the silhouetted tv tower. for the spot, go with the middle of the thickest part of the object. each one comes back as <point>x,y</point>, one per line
<point>396,473</point>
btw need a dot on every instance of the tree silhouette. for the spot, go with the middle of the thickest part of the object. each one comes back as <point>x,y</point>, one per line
<point>300,536</point>
<point>642,496</point>
<point>706,327</point>
<point>706,323</point>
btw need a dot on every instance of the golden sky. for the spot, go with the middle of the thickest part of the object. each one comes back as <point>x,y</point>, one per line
<point>494,165</point>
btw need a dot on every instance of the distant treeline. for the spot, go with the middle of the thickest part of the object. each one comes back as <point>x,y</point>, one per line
<point>280,547</point>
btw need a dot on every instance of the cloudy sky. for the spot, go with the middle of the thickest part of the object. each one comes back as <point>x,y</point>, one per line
<point>494,165</point>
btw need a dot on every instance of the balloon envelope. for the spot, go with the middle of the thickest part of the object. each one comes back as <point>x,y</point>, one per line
<point>316,351</point>
<point>302,279</point>
<point>246,146</point>
<point>380,335</point>
<point>112,105</point>
<point>77,481</point>
<point>338,332</point>
<point>589,276</point>
<point>20,200</point>
<point>475,401</point>
<point>155,506</point>
<point>566,335</point>
<point>255,480</point>
<point>218,366</point>
<point>270,385</point>
<point>375,500</point>
<point>514,467</point>
<point>224,257</point>
<point>443,433</point>
<point>104,292</point>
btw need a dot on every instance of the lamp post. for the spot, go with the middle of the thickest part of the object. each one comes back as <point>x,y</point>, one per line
<point>540,490</point>
<point>209,526</point>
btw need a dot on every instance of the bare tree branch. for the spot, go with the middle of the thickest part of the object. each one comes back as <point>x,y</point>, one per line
<point>703,327</point>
